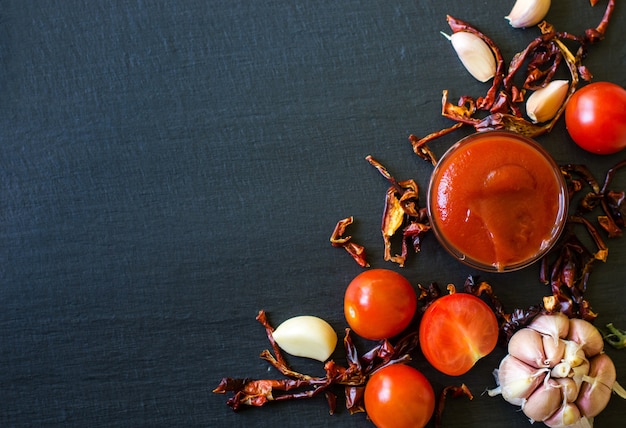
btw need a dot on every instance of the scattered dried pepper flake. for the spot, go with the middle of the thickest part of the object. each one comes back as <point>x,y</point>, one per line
<point>402,214</point>
<point>337,239</point>
<point>450,391</point>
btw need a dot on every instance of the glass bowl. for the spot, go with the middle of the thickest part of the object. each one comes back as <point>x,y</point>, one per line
<point>497,201</point>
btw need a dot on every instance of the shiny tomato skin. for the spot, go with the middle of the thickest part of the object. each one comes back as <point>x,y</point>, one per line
<point>457,330</point>
<point>379,304</point>
<point>399,396</point>
<point>595,117</point>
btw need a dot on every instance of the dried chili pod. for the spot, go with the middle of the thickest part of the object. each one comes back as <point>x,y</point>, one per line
<point>338,239</point>
<point>402,214</point>
<point>450,391</point>
<point>479,288</point>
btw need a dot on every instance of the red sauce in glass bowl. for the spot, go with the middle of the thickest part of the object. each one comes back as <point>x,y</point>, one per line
<point>497,201</point>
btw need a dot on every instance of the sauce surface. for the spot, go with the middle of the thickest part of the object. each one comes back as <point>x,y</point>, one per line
<point>497,200</point>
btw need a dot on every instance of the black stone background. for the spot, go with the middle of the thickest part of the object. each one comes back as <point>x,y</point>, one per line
<point>167,169</point>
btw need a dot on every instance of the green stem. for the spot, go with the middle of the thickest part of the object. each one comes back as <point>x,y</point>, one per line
<point>615,337</point>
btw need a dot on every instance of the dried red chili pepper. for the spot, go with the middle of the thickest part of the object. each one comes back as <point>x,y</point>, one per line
<point>518,319</point>
<point>402,213</point>
<point>613,204</point>
<point>568,273</point>
<point>420,145</point>
<point>481,288</point>
<point>337,239</point>
<point>429,294</point>
<point>449,391</point>
<point>567,278</point>
<point>353,377</point>
<point>613,221</point>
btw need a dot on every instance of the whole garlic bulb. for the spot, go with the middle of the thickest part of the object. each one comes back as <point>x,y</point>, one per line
<point>557,372</point>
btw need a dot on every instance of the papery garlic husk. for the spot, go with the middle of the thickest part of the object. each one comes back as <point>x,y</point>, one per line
<point>543,104</point>
<point>306,336</point>
<point>475,54</point>
<point>526,13</point>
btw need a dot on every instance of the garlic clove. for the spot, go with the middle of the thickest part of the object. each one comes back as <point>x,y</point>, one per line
<point>569,389</point>
<point>554,351</point>
<point>602,370</point>
<point>526,13</point>
<point>561,370</point>
<point>597,386</point>
<point>574,354</point>
<point>579,373</point>
<point>585,334</point>
<point>517,380</point>
<point>544,103</point>
<point>567,416</point>
<point>555,325</point>
<point>527,346</point>
<point>306,336</point>
<point>474,53</point>
<point>544,402</point>
<point>593,399</point>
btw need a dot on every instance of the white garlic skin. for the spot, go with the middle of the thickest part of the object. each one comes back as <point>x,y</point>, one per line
<point>306,336</point>
<point>474,53</point>
<point>526,13</point>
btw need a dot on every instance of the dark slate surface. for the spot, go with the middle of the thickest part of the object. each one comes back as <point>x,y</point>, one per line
<point>169,168</point>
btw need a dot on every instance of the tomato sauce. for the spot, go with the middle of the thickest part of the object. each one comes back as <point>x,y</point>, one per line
<point>498,200</point>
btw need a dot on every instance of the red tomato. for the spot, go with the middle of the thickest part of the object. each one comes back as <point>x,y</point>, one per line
<point>399,396</point>
<point>379,304</point>
<point>456,331</point>
<point>595,117</point>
